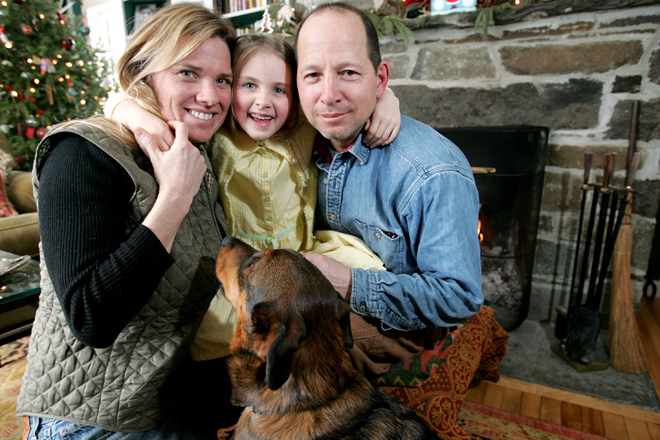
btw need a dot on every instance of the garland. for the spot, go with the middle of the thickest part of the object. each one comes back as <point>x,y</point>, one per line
<point>394,24</point>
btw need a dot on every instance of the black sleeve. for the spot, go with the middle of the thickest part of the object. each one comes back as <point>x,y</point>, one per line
<point>101,275</point>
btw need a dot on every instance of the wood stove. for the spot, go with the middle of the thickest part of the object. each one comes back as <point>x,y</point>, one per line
<point>509,166</point>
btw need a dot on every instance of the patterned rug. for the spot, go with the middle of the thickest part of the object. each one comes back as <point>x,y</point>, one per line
<point>12,367</point>
<point>481,422</point>
<point>486,423</point>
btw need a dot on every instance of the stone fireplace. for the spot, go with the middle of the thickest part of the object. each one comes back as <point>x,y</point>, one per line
<point>572,66</point>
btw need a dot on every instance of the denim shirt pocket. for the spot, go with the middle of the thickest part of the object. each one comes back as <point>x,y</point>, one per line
<point>387,245</point>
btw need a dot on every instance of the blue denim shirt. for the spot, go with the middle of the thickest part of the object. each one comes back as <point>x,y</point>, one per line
<point>415,203</point>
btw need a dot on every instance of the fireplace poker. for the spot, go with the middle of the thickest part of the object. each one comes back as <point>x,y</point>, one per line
<point>587,248</point>
<point>600,228</point>
<point>588,157</point>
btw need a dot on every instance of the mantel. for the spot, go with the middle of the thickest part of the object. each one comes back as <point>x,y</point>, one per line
<point>542,9</point>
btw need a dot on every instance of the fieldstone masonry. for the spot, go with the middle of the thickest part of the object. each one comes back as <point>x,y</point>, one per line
<point>573,66</point>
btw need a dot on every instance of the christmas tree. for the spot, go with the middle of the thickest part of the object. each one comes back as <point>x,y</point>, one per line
<point>48,72</point>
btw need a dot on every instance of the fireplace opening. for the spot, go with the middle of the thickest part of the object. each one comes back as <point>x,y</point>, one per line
<point>509,166</point>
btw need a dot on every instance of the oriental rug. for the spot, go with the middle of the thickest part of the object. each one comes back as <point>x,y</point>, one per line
<point>486,423</point>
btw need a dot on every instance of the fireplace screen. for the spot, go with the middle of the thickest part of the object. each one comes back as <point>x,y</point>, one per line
<point>508,164</point>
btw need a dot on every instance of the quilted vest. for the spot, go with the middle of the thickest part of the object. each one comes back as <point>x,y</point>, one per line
<point>128,386</point>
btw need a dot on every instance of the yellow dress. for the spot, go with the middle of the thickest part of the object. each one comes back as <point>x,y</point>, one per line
<point>268,190</point>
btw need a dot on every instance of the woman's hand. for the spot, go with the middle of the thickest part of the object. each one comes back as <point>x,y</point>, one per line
<point>383,126</point>
<point>133,116</point>
<point>179,172</point>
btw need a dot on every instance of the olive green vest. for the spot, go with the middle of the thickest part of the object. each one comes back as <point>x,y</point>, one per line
<point>126,387</point>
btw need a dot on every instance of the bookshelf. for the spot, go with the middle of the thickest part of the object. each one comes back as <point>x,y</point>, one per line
<point>246,17</point>
<point>243,13</point>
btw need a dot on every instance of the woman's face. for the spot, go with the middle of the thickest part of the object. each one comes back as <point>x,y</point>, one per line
<point>197,90</point>
<point>263,93</point>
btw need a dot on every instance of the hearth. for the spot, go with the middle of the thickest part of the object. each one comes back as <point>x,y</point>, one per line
<point>509,166</point>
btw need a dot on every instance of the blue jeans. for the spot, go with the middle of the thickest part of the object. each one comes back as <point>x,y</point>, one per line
<point>52,429</point>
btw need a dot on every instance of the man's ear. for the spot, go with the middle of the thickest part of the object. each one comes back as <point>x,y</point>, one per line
<point>383,76</point>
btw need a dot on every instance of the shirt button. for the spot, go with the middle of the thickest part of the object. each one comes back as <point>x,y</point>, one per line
<point>325,181</point>
<point>270,235</point>
<point>333,217</point>
<point>377,234</point>
<point>266,199</point>
<point>269,218</point>
<point>262,151</point>
<point>264,175</point>
<point>363,308</point>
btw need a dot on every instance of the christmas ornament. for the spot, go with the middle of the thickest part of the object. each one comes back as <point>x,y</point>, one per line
<point>84,31</point>
<point>31,127</point>
<point>41,132</point>
<point>266,23</point>
<point>27,30</point>
<point>5,40</point>
<point>68,43</point>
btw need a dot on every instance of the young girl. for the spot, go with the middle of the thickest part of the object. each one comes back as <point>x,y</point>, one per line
<point>268,187</point>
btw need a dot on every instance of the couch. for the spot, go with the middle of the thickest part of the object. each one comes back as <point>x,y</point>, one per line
<point>19,224</point>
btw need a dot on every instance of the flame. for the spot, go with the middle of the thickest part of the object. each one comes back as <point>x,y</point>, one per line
<point>479,233</point>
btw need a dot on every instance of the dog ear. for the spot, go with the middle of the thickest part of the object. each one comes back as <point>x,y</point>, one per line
<point>344,318</point>
<point>283,337</point>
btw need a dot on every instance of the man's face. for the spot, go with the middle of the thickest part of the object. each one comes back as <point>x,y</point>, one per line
<point>337,84</point>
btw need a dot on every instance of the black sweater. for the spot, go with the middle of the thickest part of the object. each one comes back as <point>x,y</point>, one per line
<point>101,275</point>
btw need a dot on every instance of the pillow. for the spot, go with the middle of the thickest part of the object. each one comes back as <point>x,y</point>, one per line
<point>6,208</point>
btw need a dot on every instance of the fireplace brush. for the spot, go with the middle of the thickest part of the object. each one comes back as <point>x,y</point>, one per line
<point>626,349</point>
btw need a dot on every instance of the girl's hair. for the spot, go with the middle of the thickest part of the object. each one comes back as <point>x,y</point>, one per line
<point>168,36</point>
<point>250,44</point>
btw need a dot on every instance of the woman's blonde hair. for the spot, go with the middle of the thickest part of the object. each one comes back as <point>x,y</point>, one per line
<point>250,44</point>
<point>168,36</point>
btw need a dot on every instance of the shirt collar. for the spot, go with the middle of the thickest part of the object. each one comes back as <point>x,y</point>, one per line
<point>323,150</point>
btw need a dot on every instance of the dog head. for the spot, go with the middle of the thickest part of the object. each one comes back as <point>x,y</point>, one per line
<point>280,299</point>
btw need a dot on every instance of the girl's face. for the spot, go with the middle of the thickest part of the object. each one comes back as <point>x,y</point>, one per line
<point>263,95</point>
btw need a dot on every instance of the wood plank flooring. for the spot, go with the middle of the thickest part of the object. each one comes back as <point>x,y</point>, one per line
<point>577,411</point>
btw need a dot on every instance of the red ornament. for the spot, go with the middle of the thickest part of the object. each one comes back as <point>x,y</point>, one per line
<point>41,132</point>
<point>27,30</point>
<point>68,43</point>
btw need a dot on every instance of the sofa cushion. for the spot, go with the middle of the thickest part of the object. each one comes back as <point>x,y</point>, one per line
<point>19,191</point>
<point>19,234</point>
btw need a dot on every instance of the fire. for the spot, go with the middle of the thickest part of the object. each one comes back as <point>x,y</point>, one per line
<point>480,234</point>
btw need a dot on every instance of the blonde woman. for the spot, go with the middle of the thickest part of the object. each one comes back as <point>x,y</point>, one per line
<point>129,240</point>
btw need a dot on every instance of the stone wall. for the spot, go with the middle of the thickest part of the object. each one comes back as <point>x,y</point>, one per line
<point>558,65</point>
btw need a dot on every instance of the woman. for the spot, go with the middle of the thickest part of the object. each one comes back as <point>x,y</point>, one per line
<point>129,241</point>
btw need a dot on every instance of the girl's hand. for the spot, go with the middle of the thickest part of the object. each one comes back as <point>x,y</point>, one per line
<point>129,113</point>
<point>383,126</point>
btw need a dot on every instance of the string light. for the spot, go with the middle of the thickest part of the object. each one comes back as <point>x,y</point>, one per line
<point>69,64</point>
<point>36,81</point>
<point>30,60</point>
<point>14,93</point>
<point>32,90</point>
<point>83,102</point>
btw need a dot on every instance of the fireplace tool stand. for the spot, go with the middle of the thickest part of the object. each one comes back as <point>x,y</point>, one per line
<point>579,329</point>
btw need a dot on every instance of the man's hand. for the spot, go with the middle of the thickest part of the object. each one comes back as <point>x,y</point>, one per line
<point>339,274</point>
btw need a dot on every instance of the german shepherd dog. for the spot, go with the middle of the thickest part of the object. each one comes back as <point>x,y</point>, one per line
<point>289,367</point>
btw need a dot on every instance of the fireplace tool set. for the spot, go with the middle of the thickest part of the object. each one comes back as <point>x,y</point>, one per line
<point>579,330</point>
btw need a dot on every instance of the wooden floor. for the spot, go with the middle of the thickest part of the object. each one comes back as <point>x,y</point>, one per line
<point>588,414</point>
